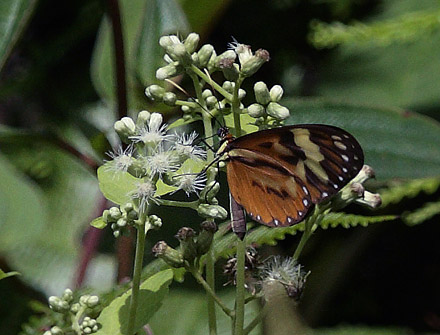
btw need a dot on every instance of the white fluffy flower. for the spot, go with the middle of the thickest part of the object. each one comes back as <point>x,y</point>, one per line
<point>144,193</point>
<point>161,162</point>
<point>184,147</point>
<point>122,159</point>
<point>154,132</point>
<point>190,182</point>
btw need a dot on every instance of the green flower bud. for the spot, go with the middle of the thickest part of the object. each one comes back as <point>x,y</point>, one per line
<point>241,93</point>
<point>191,42</point>
<point>211,101</point>
<point>75,308</point>
<point>67,295</point>
<point>95,328</point>
<point>204,55</point>
<point>92,301</point>
<point>254,63</point>
<point>212,61</point>
<point>207,93</point>
<point>369,199</point>
<point>83,299</point>
<point>212,211</point>
<point>225,60</point>
<point>125,128</point>
<point>169,98</point>
<point>228,86</point>
<point>276,93</point>
<point>185,109</point>
<point>55,330</point>
<point>204,240</point>
<point>167,71</point>
<point>185,236</point>
<point>168,41</point>
<point>116,233</point>
<point>155,221</point>
<point>172,257</point>
<point>114,214</point>
<point>142,118</point>
<point>277,111</point>
<point>255,110</point>
<point>87,330</point>
<point>195,59</point>
<point>262,94</point>
<point>210,190</point>
<point>155,92</point>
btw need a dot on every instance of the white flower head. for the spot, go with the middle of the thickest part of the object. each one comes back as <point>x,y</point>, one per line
<point>184,147</point>
<point>154,132</point>
<point>243,51</point>
<point>122,159</point>
<point>144,194</point>
<point>161,162</point>
<point>190,182</point>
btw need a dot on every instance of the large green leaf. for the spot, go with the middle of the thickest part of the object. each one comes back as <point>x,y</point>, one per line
<point>143,22</point>
<point>397,143</point>
<point>14,15</point>
<point>399,74</point>
<point>152,291</point>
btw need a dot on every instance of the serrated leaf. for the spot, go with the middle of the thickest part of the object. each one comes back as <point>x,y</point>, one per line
<point>14,15</point>
<point>422,214</point>
<point>408,189</point>
<point>114,317</point>
<point>4,275</point>
<point>332,220</point>
<point>116,187</point>
<point>98,223</point>
<point>397,143</point>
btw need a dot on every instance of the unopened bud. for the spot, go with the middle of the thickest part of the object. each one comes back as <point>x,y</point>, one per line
<point>185,236</point>
<point>114,214</point>
<point>55,330</point>
<point>228,86</point>
<point>255,110</point>
<point>204,240</point>
<point>155,92</point>
<point>225,59</point>
<point>125,128</point>
<point>168,41</point>
<point>277,111</point>
<point>241,94</point>
<point>67,295</point>
<point>364,174</point>
<point>169,98</point>
<point>254,63</point>
<point>191,42</point>
<point>204,55</point>
<point>210,191</point>
<point>262,94</point>
<point>167,71</point>
<point>92,301</point>
<point>142,118</point>
<point>369,199</point>
<point>276,93</point>
<point>155,221</point>
<point>211,101</point>
<point>169,255</point>
<point>212,211</point>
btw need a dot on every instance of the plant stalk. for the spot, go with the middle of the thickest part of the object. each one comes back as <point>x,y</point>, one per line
<point>240,288</point>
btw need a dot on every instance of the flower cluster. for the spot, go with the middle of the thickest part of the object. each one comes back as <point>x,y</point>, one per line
<point>79,312</point>
<point>153,154</point>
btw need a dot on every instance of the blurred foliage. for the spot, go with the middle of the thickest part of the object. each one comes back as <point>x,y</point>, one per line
<point>58,76</point>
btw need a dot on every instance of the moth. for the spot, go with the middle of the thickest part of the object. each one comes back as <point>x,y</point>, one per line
<point>278,174</point>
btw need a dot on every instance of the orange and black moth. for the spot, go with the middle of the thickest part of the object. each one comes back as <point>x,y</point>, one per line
<point>278,174</point>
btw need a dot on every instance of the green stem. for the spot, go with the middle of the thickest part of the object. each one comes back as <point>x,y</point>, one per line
<point>140,246</point>
<point>240,289</point>
<point>76,318</point>
<point>256,320</point>
<point>210,273</point>
<point>211,292</point>
<point>236,107</point>
<point>308,225</point>
<point>207,79</point>
<point>192,204</point>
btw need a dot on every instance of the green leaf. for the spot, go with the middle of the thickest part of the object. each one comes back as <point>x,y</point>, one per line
<point>162,17</point>
<point>422,214</point>
<point>114,317</point>
<point>181,122</point>
<point>143,22</point>
<point>116,187</point>
<point>189,314</point>
<point>332,220</point>
<point>409,189</point>
<point>4,275</point>
<point>98,223</point>
<point>14,16</point>
<point>245,121</point>
<point>397,143</point>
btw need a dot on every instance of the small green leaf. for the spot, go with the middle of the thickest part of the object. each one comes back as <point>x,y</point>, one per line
<point>114,317</point>
<point>116,187</point>
<point>332,220</point>
<point>4,275</point>
<point>246,123</point>
<point>98,223</point>
<point>422,214</point>
<point>181,122</point>
<point>408,189</point>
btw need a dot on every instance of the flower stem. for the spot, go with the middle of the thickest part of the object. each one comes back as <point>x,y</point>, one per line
<point>240,289</point>
<point>308,225</point>
<point>173,203</point>
<point>211,82</point>
<point>236,107</point>
<point>140,246</point>
<point>211,292</point>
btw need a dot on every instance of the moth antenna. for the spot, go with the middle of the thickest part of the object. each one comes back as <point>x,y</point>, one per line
<point>180,88</point>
